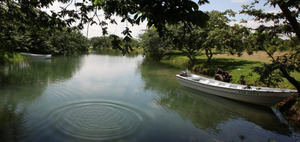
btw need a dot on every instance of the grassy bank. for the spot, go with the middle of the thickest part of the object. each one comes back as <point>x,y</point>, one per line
<point>10,57</point>
<point>236,66</point>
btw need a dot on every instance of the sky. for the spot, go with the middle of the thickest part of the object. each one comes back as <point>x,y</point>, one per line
<point>220,5</point>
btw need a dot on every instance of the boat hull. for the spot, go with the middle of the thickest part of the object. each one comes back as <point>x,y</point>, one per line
<point>253,97</point>
<point>37,56</point>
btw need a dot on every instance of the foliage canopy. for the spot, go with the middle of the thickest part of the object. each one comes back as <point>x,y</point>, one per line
<point>26,27</point>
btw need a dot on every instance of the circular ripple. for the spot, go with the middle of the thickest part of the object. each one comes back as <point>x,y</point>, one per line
<point>97,120</point>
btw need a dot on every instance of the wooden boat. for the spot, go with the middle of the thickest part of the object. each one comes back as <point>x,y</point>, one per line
<point>251,94</point>
<point>40,56</point>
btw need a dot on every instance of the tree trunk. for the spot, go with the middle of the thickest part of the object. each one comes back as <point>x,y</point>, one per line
<point>192,62</point>
<point>292,19</point>
<point>208,54</point>
<point>291,79</point>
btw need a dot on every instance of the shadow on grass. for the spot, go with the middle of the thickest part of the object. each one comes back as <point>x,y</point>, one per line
<point>225,64</point>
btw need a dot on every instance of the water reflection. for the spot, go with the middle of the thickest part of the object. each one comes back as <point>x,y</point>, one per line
<point>120,98</point>
<point>158,76</point>
<point>226,119</point>
<point>21,84</point>
<point>115,52</point>
<point>11,121</point>
<point>207,112</point>
<point>39,71</point>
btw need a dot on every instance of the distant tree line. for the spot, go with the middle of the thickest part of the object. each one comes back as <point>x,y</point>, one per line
<point>114,42</point>
<point>25,28</point>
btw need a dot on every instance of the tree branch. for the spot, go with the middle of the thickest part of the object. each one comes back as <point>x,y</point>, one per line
<point>292,19</point>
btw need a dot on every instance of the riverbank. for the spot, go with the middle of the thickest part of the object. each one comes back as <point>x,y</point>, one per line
<point>10,57</point>
<point>238,67</point>
<point>117,52</point>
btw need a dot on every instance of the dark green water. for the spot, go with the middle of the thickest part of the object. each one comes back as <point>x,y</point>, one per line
<point>118,98</point>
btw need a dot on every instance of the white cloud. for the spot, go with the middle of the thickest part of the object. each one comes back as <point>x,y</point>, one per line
<point>239,1</point>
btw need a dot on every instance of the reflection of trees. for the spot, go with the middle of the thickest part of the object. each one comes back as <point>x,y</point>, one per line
<point>115,52</point>
<point>13,102</point>
<point>22,83</point>
<point>158,76</point>
<point>39,71</point>
<point>204,111</point>
<point>11,121</point>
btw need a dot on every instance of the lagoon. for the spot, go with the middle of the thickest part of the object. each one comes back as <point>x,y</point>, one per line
<point>109,97</point>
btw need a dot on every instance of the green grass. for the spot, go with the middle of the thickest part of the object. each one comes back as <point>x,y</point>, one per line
<point>16,57</point>
<point>6,57</point>
<point>236,67</point>
<point>138,50</point>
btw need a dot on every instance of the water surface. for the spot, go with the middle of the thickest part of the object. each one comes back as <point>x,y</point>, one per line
<point>117,98</point>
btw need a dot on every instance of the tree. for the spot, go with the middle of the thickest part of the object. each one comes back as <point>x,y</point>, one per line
<point>101,42</point>
<point>68,42</point>
<point>26,28</point>
<point>154,46</point>
<point>221,37</point>
<point>188,39</point>
<point>286,22</point>
<point>27,15</point>
<point>22,23</point>
<point>216,36</point>
<point>24,17</point>
<point>158,13</point>
<point>216,29</point>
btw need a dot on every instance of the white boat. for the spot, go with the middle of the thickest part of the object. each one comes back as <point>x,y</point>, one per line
<point>41,56</point>
<point>250,94</point>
